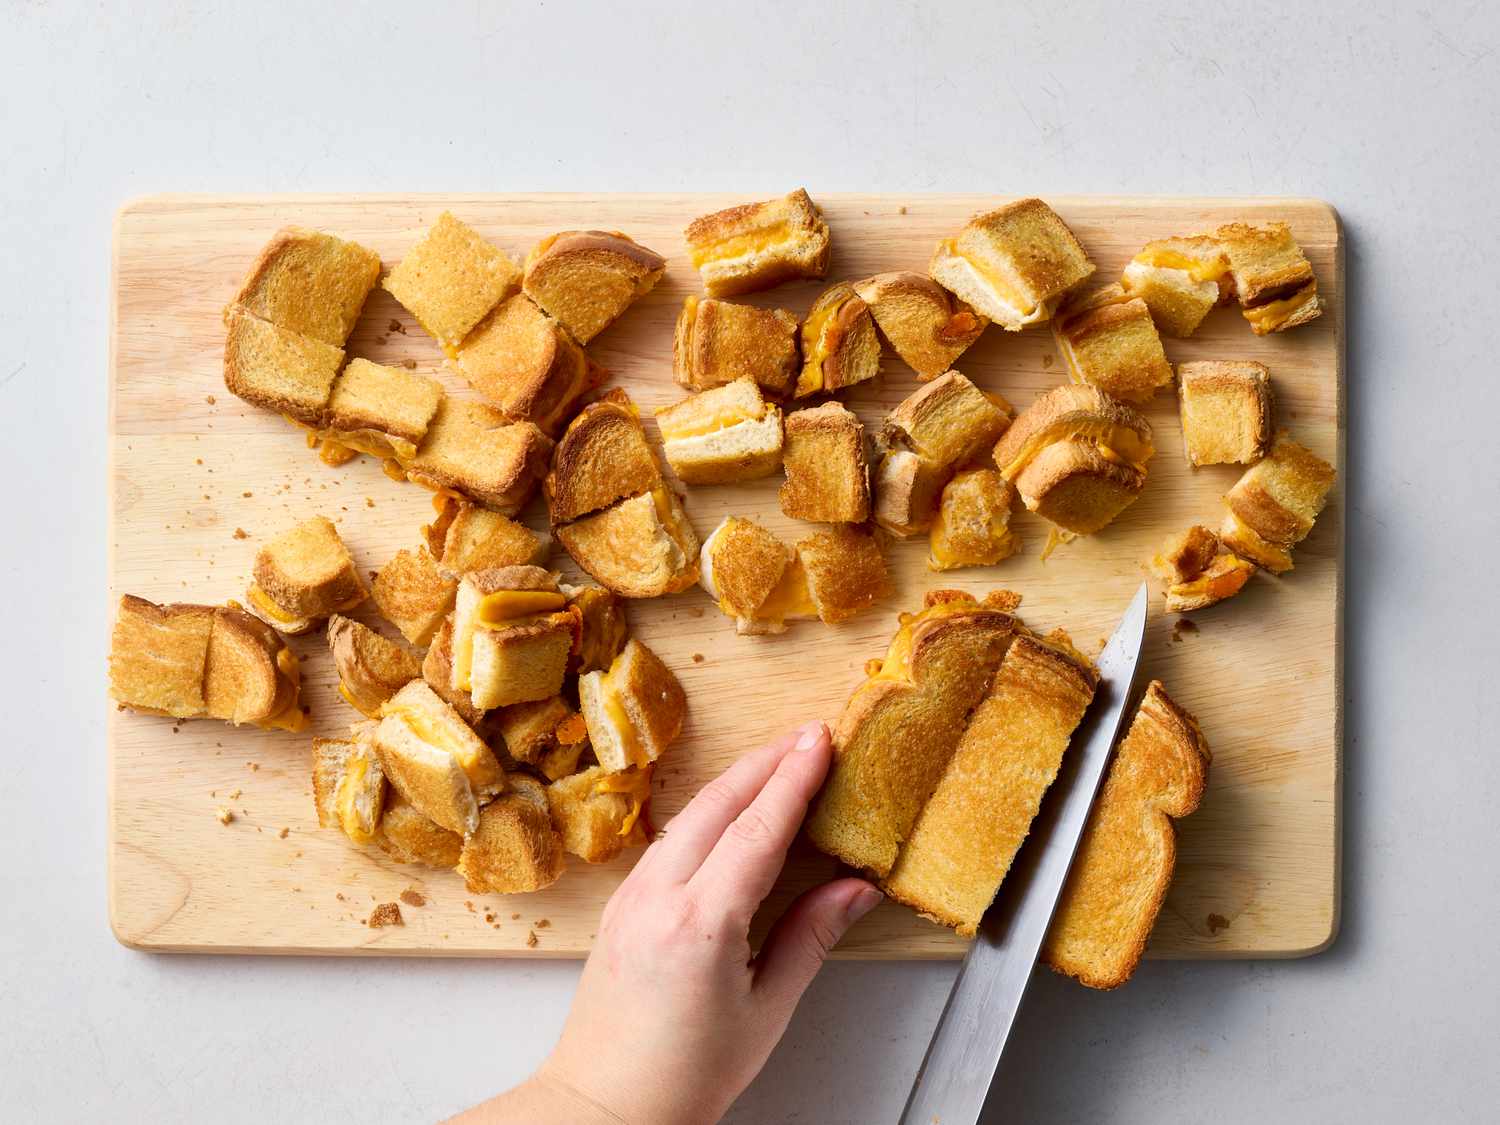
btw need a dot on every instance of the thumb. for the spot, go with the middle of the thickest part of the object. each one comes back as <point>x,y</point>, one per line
<point>799,942</point>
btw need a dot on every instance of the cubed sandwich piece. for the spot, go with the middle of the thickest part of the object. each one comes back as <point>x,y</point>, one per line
<point>827,471</point>
<point>450,279</point>
<point>278,369</point>
<point>901,727</point>
<point>382,411</point>
<point>717,342</point>
<point>844,571</point>
<point>598,813</point>
<point>522,361</point>
<point>437,673</point>
<point>633,712</point>
<point>584,279</point>
<point>603,457</point>
<point>464,537</point>
<point>743,567</point>
<point>928,327</point>
<point>158,655</point>
<point>1272,277</point>
<point>433,757</point>
<point>349,787</point>
<point>512,634</point>
<point>475,451</point>
<point>413,594</point>
<point>758,245</point>
<point>251,676</point>
<point>973,522</point>
<point>1014,265</point>
<point>1077,457</point>
<point>371,667</point>
<point>1181,280</point>
<point>1197,571</point>
<point>409,836</point>
<point>980,812</point>
<point>602,628</point>
<point>1107,338</point>
<point>310,283</point>
<point>839,345</point>
<point>1226,411</point>
<point>546,734</point>
<point>1274,505</point>
<point>303,576</point>
<point>907,489</point>
<point>723,435</point>
<point>514,849</point>
<point>1128,852</point>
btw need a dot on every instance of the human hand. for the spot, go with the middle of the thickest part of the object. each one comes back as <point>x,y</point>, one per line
<point>673,1017</point>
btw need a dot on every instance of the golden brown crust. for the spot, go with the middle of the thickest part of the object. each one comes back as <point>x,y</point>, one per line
<point>839,345</point>
<point>310,283</point>
<point>410,837</point>
<point>746,562</point>
<point>437,671</point>
<point>602,458</point>
<point>450,279</point>
<point>716,342</point>
<point>308,572</point>
<point>475,451</point>
<point>846,572</point>
<point>250,676</point>
<point>948,421</point>
<point>157,657</point>
<point>757,245</point>
<point>1126,858</point>
<point>1108,338</point>
<point>515,849</point>
<point>277,369</point>
<point>465,537</point>
<point>371,668</point>
<point>928,327</point>
<point>587,278</point>
<point>1072,484</point>
<point>1265,262</point>
<point>973,522</point>
<point>603,630</point>
<point>1274,505</point>
<point>827,471</point>
<point>1226,408</point>
<point>654,698</point>
<point>631,550</point>
<point>387,400</point>
<point>413,594</point>
<point>597,820</point>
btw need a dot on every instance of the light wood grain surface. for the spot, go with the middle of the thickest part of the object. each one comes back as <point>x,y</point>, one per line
<point>192,466</point>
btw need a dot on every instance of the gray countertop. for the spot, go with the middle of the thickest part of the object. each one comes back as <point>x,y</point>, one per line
<point>1388,112</point>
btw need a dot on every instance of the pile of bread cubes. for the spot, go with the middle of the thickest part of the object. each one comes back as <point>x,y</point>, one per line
<point>529,724</point>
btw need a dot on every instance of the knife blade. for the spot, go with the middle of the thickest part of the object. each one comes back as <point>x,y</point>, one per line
<point>954,1080</point>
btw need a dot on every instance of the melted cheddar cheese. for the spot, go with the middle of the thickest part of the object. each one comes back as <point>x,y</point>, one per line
<point>897,662</point>
<point>699,427</point>
<point>789,598</point>
<point>740,245</point>
<point>1199,269</point>
<point>1270,316</point>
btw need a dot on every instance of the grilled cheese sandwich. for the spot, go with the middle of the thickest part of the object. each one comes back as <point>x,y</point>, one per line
<point>634,711</point>
<point>1273,506</point>
<point>309,283</point>
<point>451,279</point>
<point>586,278</point>
<point>1226,410</point>
<point>474,451</point>
<point>1197,571</point>
<point>599,813</point>
<point>413,594</point>
<point>512,636</point>
<point>928,327</point>
<point>514,849</point>
<point>973,522</point>
<point>1272,277</point>
<point>758,245</point>
<point>1181,280</point>
<point>1108,338</point>
<point>839,345</point>
<point>716,342</point>
<point>827,472</point>
<point>302,576</point>
<point>722,435</point>
<point>371,668</point>
<point>349,787</point>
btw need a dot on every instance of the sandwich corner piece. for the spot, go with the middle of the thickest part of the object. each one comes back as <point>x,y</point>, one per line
<point>514,848</point>
<point>757,245</point>
<point>1272,277</point>
<point>634,711</point>
<point>827,470</point>
<point>1274,505</point>
<point>722,436</point>
<point>1226,408</point>
<point>717,342</point>
<point>839,344</point>
<point>584,279</point>
<point>450,279</point>
<point>1196,570</point>
<point>1014,264</point>
<point>303,576</point>
<point>1125,860</point>
<point>1107,338</point>
<point>927,326</point>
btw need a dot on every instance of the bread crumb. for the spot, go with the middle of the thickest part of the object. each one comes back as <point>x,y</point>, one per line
<point>247,495</point>
<point>254,766</point>
<point>224,815</point>
<point>697,658</point>
<point>369,502</point>
<point>412,897</point>
<point>386,914</point>
<point>695,611</point>
<point>543,923</point>
<point>531,939</point>
<point>210,400</point>
<point>339,895</point>
<point>901,210</point>
<point>1217,922</point>
<point>469,906</point>
<point>282,835</point>
<point>1046,360</point>
<point>513,917</point>
<point>235,796</point>
<point>409,364</point>
<point>198,461</point>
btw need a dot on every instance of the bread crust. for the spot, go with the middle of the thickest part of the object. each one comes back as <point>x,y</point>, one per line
<point>1274,505</point>
<point>602,458</point>
<point>627,548</point>
<point>1108,338</point>
<point>157,657</point>
<point>413,594</point>
<point>827,468</point>
<point>371,667</point>
<point>1076,487</point>
<point>250,676</point>
<point>948,421</point>
<point>846,572</point>
<point>407,836</point>
<point>514,848</point>
<point>743,562</point>
<point>839,345</point>
<point>437,671</point>
<point>928,327</point>
<point>389,401</point>
<point>277,369</point>
<point>450,279</point>
<point>717,342</point>
<point>310,283</point>
<point>973,524</point>
<point>475,451</point>
<point>1242,390</point>
<point>586,278</point>
<point>797,244</point>
<point>308,572</point>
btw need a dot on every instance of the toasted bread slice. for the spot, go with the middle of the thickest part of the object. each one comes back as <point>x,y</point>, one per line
<point>827,472</point>
<point>602,628</point>
<point>723,435</point>
<point>1272,277</point>
<point>278,369</point>
<point>901,727</point>
<point>437,671</point>
<point>310,283</point>
<point>640,548</point>
<point>758,245</point>
<point>949,421</point>
<point>740,566</point>
<point>633,712</point>
<point>907,489</point>
<point>474,451</point>
<point>1226,411</point>
<point>409,836</point>
<point>431,755</point>
<point>304,575</point>
<point>521,360</point>
<point>928,327</point>
<point>371,668</point>
<point>349,787</point>
<point>584,279</point>
<point>970,829</point>
<point>603,457</point>
<point>251,676</point>
<point>514,849</point>
<point>598,813</point>
<point>1181,280</point>
<point>973,522</point>
<point>464,537</point>
<point>1107,338</point>
<point>717,342</point>
<point>839,345</point>
<point>158,655</point>
<point>1014,264</point>
<point>1124,864</point>
<point>382,411</point>
<point>512,634</point>
<point>413,594</point>
<point>1273,506</point>
<point>1076,486</point>
<point>1197,571</point>
<point>450,279</point>
<point>1076,412</point>
<point>845,573</point>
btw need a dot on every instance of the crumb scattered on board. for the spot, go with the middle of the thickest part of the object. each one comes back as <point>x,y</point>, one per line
<point>283,833</point>
<point>386,914</point>
<point>531,939</point>
<point>413,897</point>
<point>224,815</point>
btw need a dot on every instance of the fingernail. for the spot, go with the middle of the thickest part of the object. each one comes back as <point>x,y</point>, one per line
<point>811,735</point>
<point>866,900</point>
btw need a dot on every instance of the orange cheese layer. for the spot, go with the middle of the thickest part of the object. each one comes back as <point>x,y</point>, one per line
<point>740,245</point>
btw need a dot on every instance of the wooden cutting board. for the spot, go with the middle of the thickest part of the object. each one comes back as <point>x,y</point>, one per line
<point>199,479</point>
